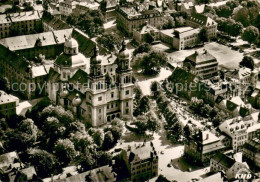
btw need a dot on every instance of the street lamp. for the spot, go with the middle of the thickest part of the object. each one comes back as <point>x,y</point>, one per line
<point>64,94</point>
<point>76,102</point>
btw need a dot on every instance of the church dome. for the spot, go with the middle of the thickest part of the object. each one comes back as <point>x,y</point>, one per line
<point>71,43</point>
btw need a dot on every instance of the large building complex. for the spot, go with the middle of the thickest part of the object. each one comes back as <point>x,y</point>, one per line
<point>128,18</point>
<point>201,146</point>
<point>202,64</point>
<point>199,20</point>
<point>139,162</point>
<point>20,23</point>
<point>102,86</point>
<point>181,38</point>
<point>251,151</point>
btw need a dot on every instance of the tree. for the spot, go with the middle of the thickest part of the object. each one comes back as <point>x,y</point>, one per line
<point>250,34</point>
<point>224,11</point>
<point>144,104</point>
<point>186,131</point>
<point>108,140</point>
<point>155,86</point>
<point>203,35</point>
<point>4,84</point>
<point>151,63</point>
<point>86,161</point>
<point>64,151</point>
<point>98,137</point>
<point>109,41</point>
<point>43,161</point>
<point>153,125</point>
<point>28,131</point>
<point>247,62</point>
<point>138,93</point>
<point>141,127</point>
<point>142,48</point>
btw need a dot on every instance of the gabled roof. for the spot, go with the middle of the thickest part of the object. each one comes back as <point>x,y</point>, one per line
<point>224,160</point>
<point>231,106</point>
<point>180,75</point>
<point>219,99</point>
<point>86,46</point>
<point>80,77</point>
<point>201,19</point>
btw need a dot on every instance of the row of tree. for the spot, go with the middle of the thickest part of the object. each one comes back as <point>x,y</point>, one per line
<point>172,126</point>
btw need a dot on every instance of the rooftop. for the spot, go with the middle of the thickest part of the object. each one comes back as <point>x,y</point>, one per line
<point>201,19</point>
<point>201,56</point>
<point>6,98</point>
<point>224,160</point>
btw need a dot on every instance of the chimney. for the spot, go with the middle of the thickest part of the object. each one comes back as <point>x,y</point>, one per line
<point>205,51</point>
<point>129,148</point>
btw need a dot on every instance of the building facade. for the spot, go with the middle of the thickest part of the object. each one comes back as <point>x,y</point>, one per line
<point>102,87</point>
<point>202,64</point>
<point>202,146</point>
<point>236,129</point>
<point>199,21</point>
<point>22,23</point>
<point>141,162</point>
<point>221,162</point>
<point>7,105</point>
<point>128,18</point>
<point>251,151</point>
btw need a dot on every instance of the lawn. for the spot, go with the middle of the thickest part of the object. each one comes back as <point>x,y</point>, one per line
<point>225,55</point>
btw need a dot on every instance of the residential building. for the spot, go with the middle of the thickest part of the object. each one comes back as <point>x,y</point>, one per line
<point>110,10</point>
<point>141,35</point>
<point>203,64</point>
<point>236,129</point>
<point>104,173</point>
<point>137,163</point>
<point>7,105</point>
<point>20,23</point>
<point>66,7</point>
<point>185,7</point>
<point>251,151</point>
<point>234,106</point>
<point>97,100</point>
<point>128,18</point>
<point>221,162</point>
<point>199,20</point>
<point>181,38</point>
<point>51,23</point>
<point>201,146</point>
<point>48,44</point>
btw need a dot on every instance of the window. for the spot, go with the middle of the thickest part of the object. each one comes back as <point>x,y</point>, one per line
<point>107,106</point>
<point>89,97</point>
<point>112,94</point>
<point>126,104</point>
<point>112,105</point>
<point>99,98</point>
<point>127,92</point>
<point>99,110</point>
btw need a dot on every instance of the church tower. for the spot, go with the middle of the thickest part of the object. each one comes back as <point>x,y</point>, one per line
<point>124,81</point>
<point>96,97</point>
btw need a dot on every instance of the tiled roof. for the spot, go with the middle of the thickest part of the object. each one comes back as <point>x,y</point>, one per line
<point>101,174</point>
<point>86,46</point>
<point>71,60</point>
<point>80,77</point>
<point>224,160</point>
<point>6,98</point>
<point>201,19</point>
<point>34,40</point>
<point>17,17</point>
<point>231,106</point>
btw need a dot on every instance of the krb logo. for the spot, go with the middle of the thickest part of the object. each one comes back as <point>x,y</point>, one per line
<point>244,174</point>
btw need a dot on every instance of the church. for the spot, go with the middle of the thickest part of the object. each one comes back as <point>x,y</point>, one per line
<point>96,89</point>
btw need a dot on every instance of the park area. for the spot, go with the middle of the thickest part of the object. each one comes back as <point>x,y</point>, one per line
<point>225,55</point>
